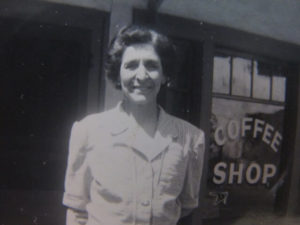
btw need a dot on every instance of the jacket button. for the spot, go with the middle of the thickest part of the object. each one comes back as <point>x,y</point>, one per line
<point>145,203</point>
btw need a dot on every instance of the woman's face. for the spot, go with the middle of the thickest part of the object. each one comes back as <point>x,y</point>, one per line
<point>141,74</point>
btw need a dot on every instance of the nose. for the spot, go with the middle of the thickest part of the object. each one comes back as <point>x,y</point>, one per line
<point>141,73</point>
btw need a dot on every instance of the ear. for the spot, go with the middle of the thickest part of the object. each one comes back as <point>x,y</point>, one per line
<point>164,80</point>
<point>118,83</point>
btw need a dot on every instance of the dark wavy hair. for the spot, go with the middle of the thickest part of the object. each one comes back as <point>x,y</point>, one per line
<point>131,35</point>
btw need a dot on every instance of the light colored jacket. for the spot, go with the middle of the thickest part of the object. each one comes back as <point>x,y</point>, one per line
<point>112,177</point>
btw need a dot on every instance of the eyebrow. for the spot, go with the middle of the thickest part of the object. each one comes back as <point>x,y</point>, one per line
<point>152,61</point>
<point>126,63</point>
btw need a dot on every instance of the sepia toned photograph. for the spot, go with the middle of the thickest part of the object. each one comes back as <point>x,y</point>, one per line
<point>153,112</point>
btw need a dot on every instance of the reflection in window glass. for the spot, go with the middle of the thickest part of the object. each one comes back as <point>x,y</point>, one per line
<point>241,77</point>
<point>261,84</point>
<point>221,75</point>
<point>278,91</point>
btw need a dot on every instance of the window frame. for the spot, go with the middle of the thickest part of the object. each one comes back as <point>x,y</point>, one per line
<point>253,59</point>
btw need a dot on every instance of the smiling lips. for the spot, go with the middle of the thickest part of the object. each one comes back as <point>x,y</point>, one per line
<point>142,88</point>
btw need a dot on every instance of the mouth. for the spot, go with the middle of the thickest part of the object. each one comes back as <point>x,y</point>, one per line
<point>141,88</point>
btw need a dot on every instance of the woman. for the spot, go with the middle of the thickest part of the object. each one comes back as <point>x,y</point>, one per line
<point>134,164</point>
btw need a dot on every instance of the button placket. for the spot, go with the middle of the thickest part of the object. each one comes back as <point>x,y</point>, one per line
<point>145,189</point>
<point>145,203</point>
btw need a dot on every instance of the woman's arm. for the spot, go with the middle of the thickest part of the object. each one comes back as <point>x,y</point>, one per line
<point>78,176</point>
<point>189,196</point>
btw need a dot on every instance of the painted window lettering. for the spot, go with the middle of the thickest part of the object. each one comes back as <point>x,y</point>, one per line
<point>248,125</point>
<point>239,173</point>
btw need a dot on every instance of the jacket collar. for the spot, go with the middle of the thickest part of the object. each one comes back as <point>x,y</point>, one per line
<point>119,122</point>
<point>165,134</point>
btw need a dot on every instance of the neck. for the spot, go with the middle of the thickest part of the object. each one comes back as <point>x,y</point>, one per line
<point>145,116</point>
<point>141,112</point>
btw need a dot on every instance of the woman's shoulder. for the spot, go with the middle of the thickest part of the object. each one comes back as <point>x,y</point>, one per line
<point>101,119</point>
<point>184,127</point>
<point>186,133</point>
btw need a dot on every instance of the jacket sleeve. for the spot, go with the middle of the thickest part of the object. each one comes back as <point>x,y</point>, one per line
<point>78,176</point>
<point>76,217</point>
<point>189,196</point>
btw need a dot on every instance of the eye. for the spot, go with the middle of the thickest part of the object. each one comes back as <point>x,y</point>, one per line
<point>132,65</point>
<point>152,65</point>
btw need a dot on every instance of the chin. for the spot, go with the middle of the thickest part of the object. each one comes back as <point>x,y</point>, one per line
<point>141,100</point>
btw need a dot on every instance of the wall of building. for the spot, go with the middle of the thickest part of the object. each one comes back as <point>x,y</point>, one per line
<point>273,18</point>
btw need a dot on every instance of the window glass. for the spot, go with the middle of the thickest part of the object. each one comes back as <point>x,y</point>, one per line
<point>221,75</point>
<point>241,77</point>
<point>261,83</point>
<point>278,90</point>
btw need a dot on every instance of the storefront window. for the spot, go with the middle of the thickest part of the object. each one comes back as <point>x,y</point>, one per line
<point>247,124</point>
<point>221,75</point>
<point>241,77</point>
<point>261,84</point>
<point>278,90</point>
<point>249,78</point>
